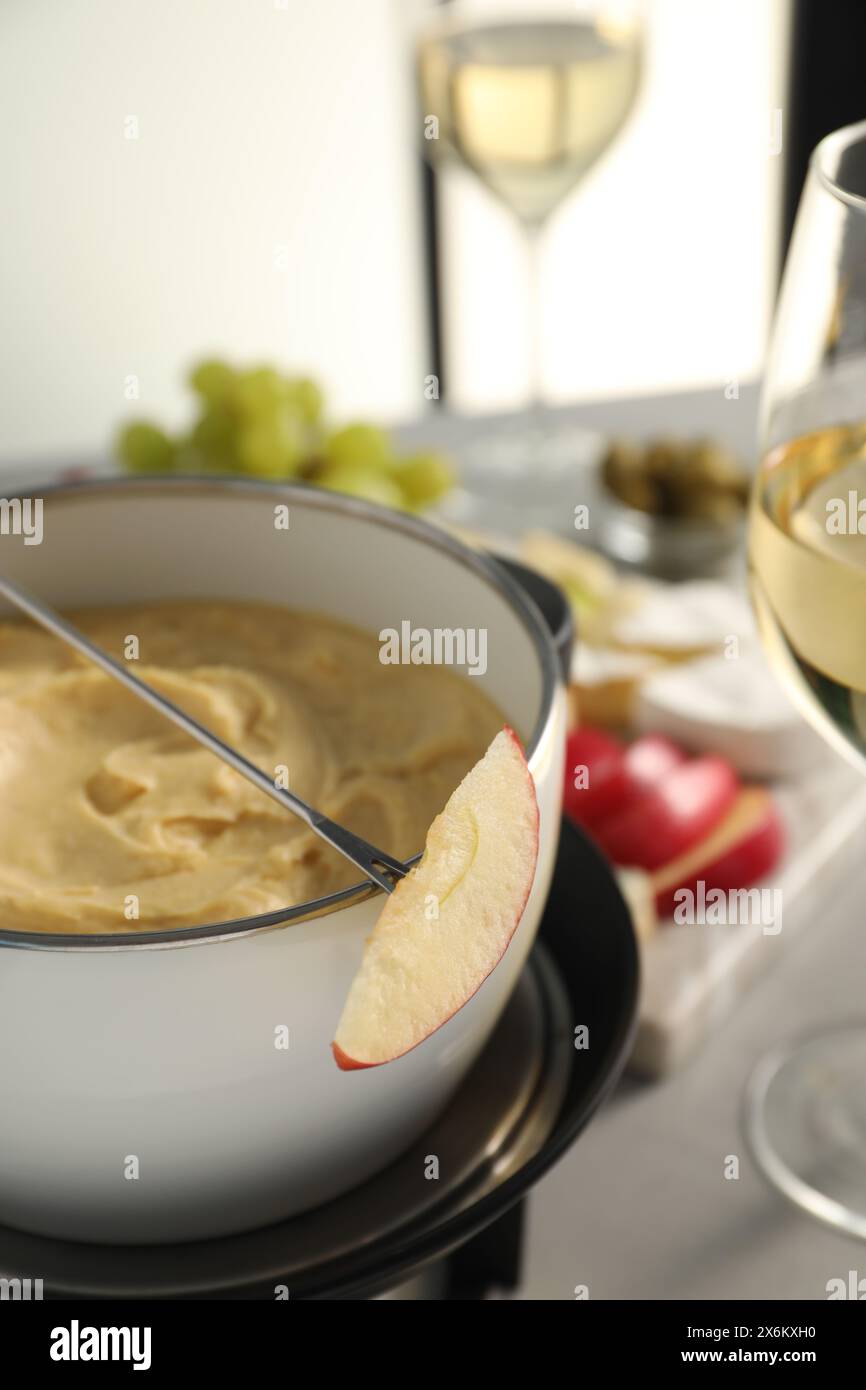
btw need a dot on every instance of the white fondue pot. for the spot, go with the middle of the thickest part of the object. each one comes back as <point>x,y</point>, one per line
<point>142,1097</point>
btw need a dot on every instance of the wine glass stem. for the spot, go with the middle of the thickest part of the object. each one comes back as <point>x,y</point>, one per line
<point>535,326</point>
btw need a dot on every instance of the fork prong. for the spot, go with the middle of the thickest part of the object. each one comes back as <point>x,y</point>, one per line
<point>394,866</point>
<point>381,878</point>
<point>382,868</point>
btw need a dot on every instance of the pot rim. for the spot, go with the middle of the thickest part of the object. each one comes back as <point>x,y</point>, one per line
<point>484,567</point>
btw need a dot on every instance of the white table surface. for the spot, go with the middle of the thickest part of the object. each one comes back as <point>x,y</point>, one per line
<point>639,1207</point>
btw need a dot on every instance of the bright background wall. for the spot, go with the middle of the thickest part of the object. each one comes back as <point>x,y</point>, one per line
<point>268,208</point>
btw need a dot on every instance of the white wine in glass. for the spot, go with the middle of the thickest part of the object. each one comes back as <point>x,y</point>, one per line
<point>809,572</point>
<point>806,1103</point>
<point>528,97</point>
<point>529,104</point>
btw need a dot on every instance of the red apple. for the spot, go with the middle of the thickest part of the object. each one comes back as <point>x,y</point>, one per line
<point>743,848</point>
<point>448,923</point>
<point>595,760</point>
<point>650,758</point>
<point>681,809</point>
<point>611,775</point>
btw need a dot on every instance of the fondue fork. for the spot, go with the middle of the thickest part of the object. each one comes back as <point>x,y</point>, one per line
<point>381,868</point>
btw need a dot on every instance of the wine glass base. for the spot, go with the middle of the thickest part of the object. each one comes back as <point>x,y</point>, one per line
<point>805,1123</point>
<point>530,474</point>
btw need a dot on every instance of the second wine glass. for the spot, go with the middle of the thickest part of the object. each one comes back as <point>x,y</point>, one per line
<point>806,1105</point>
<point>528,97</point>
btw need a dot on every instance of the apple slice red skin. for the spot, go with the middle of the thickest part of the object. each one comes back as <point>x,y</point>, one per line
<point>346,1063</point>
<point>618,774</point>
<point>744,863</point>
<point>651,757</point>
<point>607,789</point>
<point>681,810</point>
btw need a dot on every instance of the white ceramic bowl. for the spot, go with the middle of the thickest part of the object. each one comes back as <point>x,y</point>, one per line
<point>162,1046</point>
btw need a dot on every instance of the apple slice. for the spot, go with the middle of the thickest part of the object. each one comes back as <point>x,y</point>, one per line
<point>447,924</point>
<point>743,848</point>
<point>651,757</point>
<point>616,776</point>
<point>684,806</point>
<point>605,785</point>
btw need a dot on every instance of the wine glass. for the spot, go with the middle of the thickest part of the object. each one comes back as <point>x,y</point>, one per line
<point>806,1103</point>
<point>528,96</point>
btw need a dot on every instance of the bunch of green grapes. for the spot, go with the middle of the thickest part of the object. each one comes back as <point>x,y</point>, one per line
<point>261,424</point>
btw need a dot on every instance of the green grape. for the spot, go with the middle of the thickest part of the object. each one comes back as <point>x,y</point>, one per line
<point>189,460</point>
<point>145,448</point>
<point>293,439</point>
<point>357,481</point>
<point>306,398</point>
<point>259,452</point>
<point>424,478</point>
<point>213,439</point>
<point>271,446</point>
<point>359,446</point>
<point>212,380</point>
<point>259,391</point>
<point>257,421</point>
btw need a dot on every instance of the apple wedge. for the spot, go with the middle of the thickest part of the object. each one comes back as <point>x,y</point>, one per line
<point>447,924</point>
<point>617,775</point>
<point>604,790</point>
<point>689,801</point>
<point>742,849</point>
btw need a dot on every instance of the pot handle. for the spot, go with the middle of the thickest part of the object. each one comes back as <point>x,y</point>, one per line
<point>553,605</point>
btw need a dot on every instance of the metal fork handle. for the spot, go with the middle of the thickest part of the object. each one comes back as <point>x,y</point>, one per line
<point>382,868</point>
